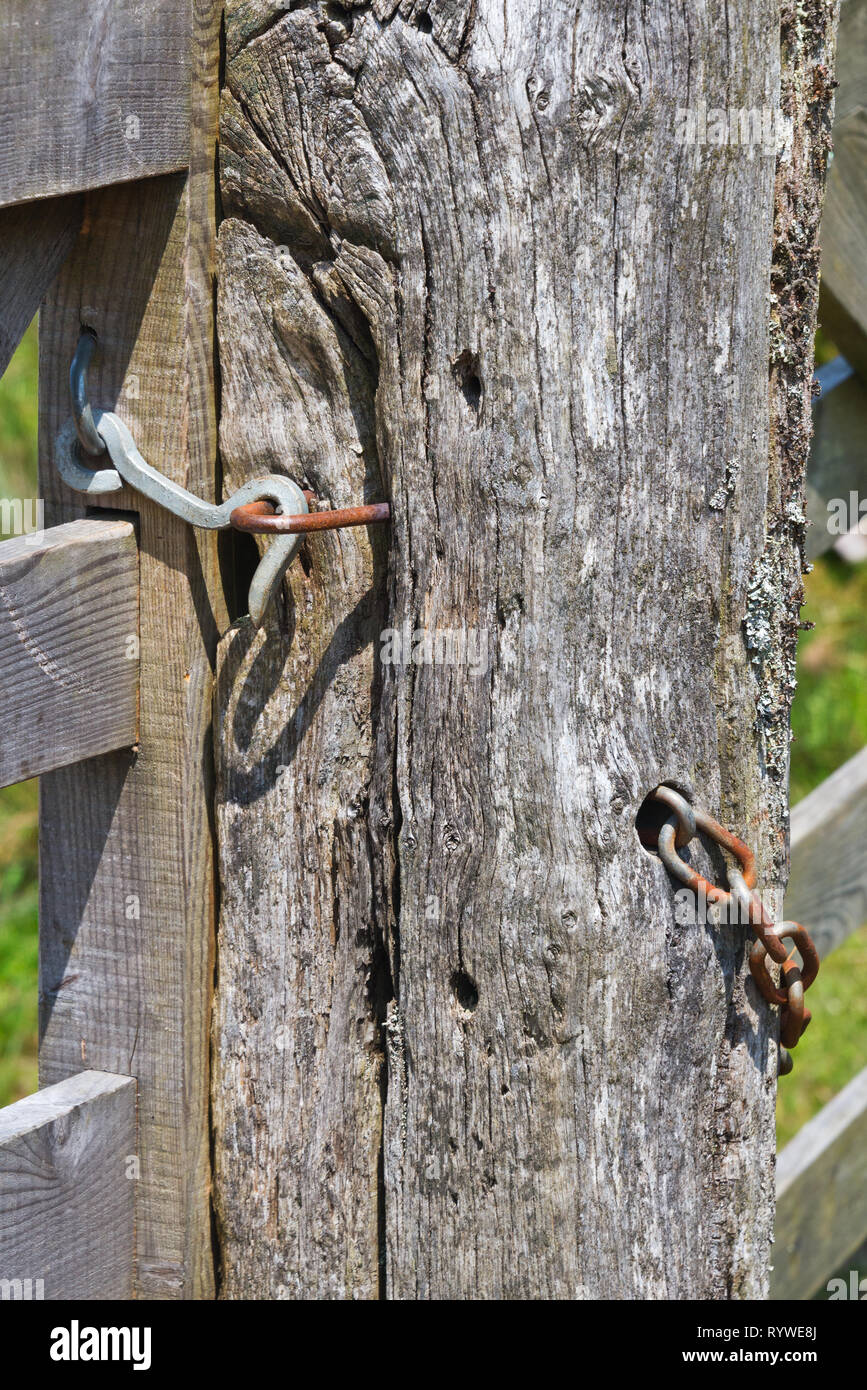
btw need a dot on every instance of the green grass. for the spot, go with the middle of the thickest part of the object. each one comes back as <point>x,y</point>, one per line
<point>18,407</point>
<point>18,941</point>
<point>829,716</point>
<point>18,879</point>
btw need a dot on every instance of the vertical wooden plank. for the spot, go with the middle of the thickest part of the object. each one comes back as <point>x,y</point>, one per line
<point>127,893</point>
<point>843,303</point>
<point>67,1170</point>
<point>828,883</point>
<point>303,976</point>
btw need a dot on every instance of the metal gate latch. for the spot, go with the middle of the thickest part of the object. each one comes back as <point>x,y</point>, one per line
<point>272,505</point>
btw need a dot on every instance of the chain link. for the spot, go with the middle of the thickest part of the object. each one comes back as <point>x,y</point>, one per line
<point>679,828</point>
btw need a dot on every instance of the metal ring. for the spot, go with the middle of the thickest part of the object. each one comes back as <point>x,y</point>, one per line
<point>77,475</point>
<point>793,1019</point>
<point>683,871</point>
<point>797,934</point>
<point>686,822</point>
<point>89,436</point>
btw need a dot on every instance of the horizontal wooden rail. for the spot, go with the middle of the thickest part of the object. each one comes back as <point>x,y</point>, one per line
<point>68,644</point>
<point>828,883</point>
<point>93,92</point>
<point>822,1195</point>
<point>67,1187</point>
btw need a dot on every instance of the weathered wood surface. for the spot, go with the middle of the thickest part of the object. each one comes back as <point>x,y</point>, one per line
<point>68,646</point>
<point>821,1195</point>
<point>127,891</point>
<point>828,885</point>
<point>94,91</point>
<point>838,463</point>
<point>843,309</point>
<point>466,266</point>
<point>34,243</point>
<point>67,1186</point>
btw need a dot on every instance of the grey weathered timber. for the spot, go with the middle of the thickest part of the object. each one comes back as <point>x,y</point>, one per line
<point>34,243</point>
<point>821,1195</point>
<point>94,91</point>
<point>127,873</point>
<point>67,1184</point>
<point>467,266</point>
<point>828,885</point>
<point>301,984</point>
<point>843,308</point>
<point>838,463</point>
<point>68,646</point>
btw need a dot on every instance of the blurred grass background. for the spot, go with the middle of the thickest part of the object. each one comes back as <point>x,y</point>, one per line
<point>18,898</point>
<point>829,721</point>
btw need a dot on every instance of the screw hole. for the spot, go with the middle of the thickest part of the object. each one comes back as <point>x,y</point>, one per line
<point>424,23</point>
<point>467,374</point>
<point>652,815</point>
<point>465,991</point>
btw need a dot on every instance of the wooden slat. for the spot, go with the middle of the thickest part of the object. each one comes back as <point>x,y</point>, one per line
<point>843,303</point>
<point>34,242</point>
<point>67,1182</point>
<point>821,1195</point>
<point>838,460</point>
<point>828,883</point>
<point>126,855</point>
<point>851,69</point>
<point>94,91</point>
<point>68,646</point>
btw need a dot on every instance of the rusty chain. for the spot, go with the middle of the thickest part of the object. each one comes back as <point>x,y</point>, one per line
<point>678,829</point>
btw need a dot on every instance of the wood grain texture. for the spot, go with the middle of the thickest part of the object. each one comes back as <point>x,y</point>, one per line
<point>68,646</point>
<point>127,893</point>
<point>67,1183</point>
<point>297,1063</point>
<point>473,224</point>
<point>821,1195</point>
<point>828,885</point>
<point>94,92</point>
<point>34,243</point>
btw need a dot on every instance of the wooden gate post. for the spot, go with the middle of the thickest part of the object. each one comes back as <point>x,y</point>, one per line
<point>126,856</point>
<point>488,262</point>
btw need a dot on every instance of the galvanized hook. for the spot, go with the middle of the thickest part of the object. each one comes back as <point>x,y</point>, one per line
<point>88,435</point>
<point>131,468</point>
<point>271,505</point>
